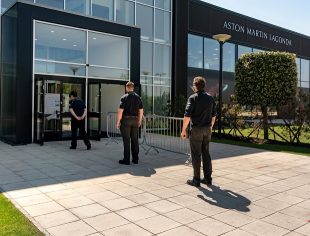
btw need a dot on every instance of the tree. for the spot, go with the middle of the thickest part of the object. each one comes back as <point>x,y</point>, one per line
<point>266,79</point>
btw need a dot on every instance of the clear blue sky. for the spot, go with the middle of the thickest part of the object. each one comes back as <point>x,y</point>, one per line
<point>290,14</point>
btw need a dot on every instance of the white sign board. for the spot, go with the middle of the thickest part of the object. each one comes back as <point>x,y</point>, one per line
<point>51,103</point>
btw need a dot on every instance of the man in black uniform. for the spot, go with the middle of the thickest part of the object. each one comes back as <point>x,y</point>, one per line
<point>129,119</point>
<point>201,112</point>
<point>78,112</point>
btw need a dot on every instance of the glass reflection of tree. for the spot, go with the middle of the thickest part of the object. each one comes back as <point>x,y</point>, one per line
<point>74,69</point>
<point>146,98</point>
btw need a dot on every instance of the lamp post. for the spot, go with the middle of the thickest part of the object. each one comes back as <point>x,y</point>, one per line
<point>221,38</point>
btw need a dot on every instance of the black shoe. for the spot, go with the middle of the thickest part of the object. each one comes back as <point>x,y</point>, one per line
<point>72,147</point>
<point>122,162</point>
<point>88,146</point>
<point>207,181</point>
<point>193,182</point>
<point>135,161</point>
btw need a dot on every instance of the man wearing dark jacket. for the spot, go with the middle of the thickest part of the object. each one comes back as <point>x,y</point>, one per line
<point>200,111</point>
<point>78,112</point>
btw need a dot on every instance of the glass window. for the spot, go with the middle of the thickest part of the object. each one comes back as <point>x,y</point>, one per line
<point>103,9</point>
<point>162,61</point>
<point>195,51</point>
<point>243,49</point>
<point>146,58</point>
<point>107,50</point>
<point>211,54</point>
<point>161,99</point>
<point>125,12</point>
<point>162,23</point>
<point>304,84</point>
<point>52,3</point>
<point>164,4</point>
<point>5,4</point>
<point>42,67</point>
<point>229,57</point>
<point>298,68</point>
<point>58,43</point>
<point>78,6</point>
<point>149,2</point>
<point>304,73</point>
<point>257,50</point>
<point>108,73</point>
<point>145,21</point>
<point>147,98</point>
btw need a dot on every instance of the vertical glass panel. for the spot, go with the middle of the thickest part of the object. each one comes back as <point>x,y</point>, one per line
<point>195,51</point>
<point>60,43</point>
<point>107,50</point>
<point>162,61</point>
<point>229,57</point>
<point>164,4</point>
<point>243,49</point>
<point>298,68</point>
<point>145,21</point>
<point>147,98</point>
<point>304,74</point>
<point>52,3</point>
<point>125,12</point>
<point>211,54</point>
<point>146,58</point>
<point>304,84</point>
<point>161,99</point>
<point>5,4</point>
<point>149,2</point>
<point>103,9</point>
<point>162,23</point>
<point>78,6</point>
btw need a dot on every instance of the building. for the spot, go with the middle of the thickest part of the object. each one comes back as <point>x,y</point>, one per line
<point>50,47</point>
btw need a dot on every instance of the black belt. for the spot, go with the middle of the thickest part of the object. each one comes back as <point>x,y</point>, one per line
<point>130,116</point>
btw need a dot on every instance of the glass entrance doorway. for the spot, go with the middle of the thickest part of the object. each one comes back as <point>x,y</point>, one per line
<point>52,120</point>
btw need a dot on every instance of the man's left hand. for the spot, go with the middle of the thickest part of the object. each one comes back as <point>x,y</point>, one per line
<point>183,135</point>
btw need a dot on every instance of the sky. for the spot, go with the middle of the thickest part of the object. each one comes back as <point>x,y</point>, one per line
<point>290,14</point>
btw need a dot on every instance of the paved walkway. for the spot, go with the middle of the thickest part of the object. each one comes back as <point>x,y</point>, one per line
<point>67,192</point>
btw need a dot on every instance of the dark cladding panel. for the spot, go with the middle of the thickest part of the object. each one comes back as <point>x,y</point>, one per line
<point>199,20</point>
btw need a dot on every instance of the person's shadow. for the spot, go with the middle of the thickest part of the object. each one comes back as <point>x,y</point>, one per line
<point>224,198</point>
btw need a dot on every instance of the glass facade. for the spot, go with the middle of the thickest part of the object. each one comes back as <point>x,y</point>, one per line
<point>63,51</point>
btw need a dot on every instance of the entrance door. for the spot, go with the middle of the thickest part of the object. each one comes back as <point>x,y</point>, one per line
<point>94,110</point>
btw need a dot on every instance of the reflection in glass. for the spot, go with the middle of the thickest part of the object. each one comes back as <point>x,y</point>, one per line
<point>298,68</point>
<point>162,61</point>
<point>146,58</point>
<point>52,3</point>
<point>243,49</point>
<point>125,12</point>
<point>149,2</point>
<point>304,84</point>
<point>5,4</point>
<point>42,67</point>
<point>304,72</point>
<point>145,21</point>
<point>164,4</point>
<point>195,51</point>
<point>211,54</point>
<point>147,98</point>
<point>108,73</point>
<point>78,6</point>
<point>108,50</point>
<point>229,57</point>
<point>60,43</point>
<point>161,99</point>
<point>103,9</point>
<point>162,23</point>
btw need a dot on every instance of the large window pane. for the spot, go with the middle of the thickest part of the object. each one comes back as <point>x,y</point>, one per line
<point>52,3</point>
<point>164,4</point>
<point>107,50</point>
<point>162,30</point>
<point>78,6</point>
<point>145,21</point>
<point>5,4</point>
<point>304,70</point>
<point>304,84</point>
<point>162,61</point>
<point>298,68</point>
<point>125,12</point>
<point>229,57</point>
<point>147,98</point>
<point>161,99</point>
<point>103,9</point>
<point>149,2</point>
<point>211,54</point>
<point>108,73</point>
<point>243,49</point>
<point>58,43</point>
<point>195,51</point>
<point>146,58</point>
<point>42,67</point>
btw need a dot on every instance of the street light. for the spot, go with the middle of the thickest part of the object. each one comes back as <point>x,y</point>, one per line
<point>221,38</point>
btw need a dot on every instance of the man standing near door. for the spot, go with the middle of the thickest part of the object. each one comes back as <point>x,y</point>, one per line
<point>129,119</point>
<point>78,112</point>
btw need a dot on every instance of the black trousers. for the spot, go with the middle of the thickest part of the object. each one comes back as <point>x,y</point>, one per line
<point>75,125</point>
<point>199,143</point>
<point>130,134</point>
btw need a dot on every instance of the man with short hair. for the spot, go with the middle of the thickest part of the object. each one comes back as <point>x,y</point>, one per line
<point>129,119</point>
<point>200,111</point>
<point>78,112</point>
